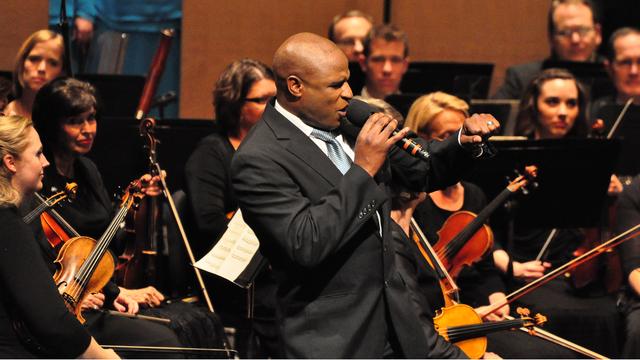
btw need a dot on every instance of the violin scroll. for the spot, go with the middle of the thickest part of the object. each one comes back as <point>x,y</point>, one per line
<point>528,322</point>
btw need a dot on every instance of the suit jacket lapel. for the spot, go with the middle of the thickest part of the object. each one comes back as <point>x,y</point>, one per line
<point>301,146</point>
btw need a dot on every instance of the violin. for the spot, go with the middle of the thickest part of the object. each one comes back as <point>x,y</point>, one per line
<point>459,323</point>
<point>137,265</point>
<point>606,269</point>
<point>464,237</point>
<point>84,264</point>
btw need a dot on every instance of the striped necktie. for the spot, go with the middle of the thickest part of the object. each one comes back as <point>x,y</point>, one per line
<point>334,150</point>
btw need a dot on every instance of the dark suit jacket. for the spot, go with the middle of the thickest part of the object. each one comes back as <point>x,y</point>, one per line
<point>339,294</point>
<point>516,80</point>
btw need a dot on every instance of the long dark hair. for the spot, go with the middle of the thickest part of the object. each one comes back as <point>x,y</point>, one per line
<point>528,114</point>
<point>232,88</point>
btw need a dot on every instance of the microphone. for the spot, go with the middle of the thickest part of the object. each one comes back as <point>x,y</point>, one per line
<point>359,111</point>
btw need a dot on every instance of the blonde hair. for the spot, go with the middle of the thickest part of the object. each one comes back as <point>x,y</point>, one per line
<point>28,45</point>
<point>427,107</point>
<point>14,139</point>
<point>383,107</point>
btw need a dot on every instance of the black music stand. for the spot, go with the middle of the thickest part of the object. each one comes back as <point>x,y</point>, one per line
<point>465,80</point>
<point>573,178</point>
<point>119,94</point>
<point>628,132</point>
<point>591,74</point>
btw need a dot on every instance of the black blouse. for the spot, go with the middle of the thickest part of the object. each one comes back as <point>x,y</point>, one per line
<point>29,295</point>
<point>482,279</point>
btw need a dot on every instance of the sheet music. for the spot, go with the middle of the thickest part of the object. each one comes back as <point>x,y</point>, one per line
<point>233,252</point>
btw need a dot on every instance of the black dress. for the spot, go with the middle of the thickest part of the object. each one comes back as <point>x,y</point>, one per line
<point>477,282</point>
<point>90,213</point>
<point>28,294</point>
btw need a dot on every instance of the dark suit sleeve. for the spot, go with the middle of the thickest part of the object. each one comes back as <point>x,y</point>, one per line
<point>26,281</point>
<point>512,88</point>
<point>277,210</point>
<point>422,285</point>
<point>447,163</point>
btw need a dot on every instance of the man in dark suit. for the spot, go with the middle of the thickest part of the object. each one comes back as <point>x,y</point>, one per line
<point>574,35</point>
<point>321,211</point>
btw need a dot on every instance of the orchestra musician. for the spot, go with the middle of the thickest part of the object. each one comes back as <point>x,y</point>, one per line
<point>39,60</point>
<point>554,107</point>
<point>319,205</point>
<point>66,113</point>
<point>28,293</point>
<point>436,116</point>
<point>240,96</point>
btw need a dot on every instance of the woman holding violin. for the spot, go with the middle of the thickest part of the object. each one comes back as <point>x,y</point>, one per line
<point>554,107</point>
<point>31,308</point>
<point>436,116</point>
<point>66,113</point>
<point>239,97</point>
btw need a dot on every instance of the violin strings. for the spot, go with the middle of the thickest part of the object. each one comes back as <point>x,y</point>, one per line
<point>87,268</point>
<point>459,333</point>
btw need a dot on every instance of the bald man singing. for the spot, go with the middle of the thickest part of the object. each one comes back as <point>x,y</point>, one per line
<point>316,196</point>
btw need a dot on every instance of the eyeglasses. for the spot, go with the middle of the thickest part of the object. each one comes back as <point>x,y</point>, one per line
<point>582,31</point>
<point>259,100</point>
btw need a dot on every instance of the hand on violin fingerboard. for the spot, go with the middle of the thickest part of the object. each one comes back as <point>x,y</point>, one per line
<point>151,185</point>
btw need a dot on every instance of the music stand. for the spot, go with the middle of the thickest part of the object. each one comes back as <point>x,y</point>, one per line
<point>402,102</point>
<point>465,80</point>
<point>591,74</point>
<point>628,132</point>
<point>120,94</point>
<point>573,179</point>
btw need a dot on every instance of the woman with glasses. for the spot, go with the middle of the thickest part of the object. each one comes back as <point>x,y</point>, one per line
<point>239,98</point>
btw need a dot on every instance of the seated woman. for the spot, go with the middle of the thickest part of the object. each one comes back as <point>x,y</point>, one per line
<point>554,107</point>
<point>39,60</point>
<point>66,113</point>
<point>240,97</point>
<point>436,116</point>
<point>29,296</point>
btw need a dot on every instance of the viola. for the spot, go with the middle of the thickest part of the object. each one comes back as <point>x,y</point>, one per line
<point>464,237</point>
<point>84,264</point>
<point>459,323</point>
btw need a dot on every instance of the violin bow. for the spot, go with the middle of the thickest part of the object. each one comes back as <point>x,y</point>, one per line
<point>611,243</point>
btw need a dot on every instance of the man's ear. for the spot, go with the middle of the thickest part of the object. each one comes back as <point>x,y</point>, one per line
<point>9,161</point>
<point>295,86</point>
<point>608,67</point>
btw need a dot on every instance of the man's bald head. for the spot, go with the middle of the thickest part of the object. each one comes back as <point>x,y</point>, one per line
<point>311,77</point>
<point>303,54</point>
